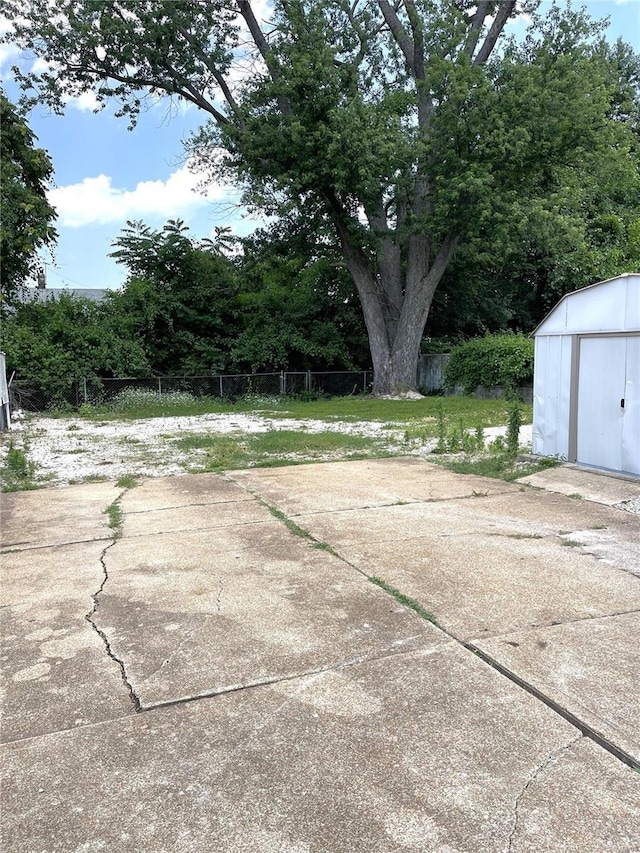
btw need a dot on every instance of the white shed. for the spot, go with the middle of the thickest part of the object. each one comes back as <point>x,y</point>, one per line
<point>586,385</point>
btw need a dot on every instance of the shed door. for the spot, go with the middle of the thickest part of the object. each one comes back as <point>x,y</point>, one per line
<point>604,430</point>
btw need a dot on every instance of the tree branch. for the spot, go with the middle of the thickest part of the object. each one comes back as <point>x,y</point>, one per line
<point>476,26</point>
<point>244,7</point>
<point>399,33</point>
<point>504,13</point>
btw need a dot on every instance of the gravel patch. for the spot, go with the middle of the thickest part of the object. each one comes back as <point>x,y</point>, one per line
<point>71,450</point>
<point>631,505</point>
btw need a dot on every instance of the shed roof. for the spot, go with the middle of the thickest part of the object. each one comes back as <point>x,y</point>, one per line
<point>607,306</point>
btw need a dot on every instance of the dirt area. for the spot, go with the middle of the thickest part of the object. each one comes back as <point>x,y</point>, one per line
<point>73,450</point>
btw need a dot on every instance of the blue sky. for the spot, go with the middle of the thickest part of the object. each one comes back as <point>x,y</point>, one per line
<point>105,174</point>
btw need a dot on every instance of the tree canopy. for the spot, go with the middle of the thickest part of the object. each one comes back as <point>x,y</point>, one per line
<point>26,217</point>
<point>409,129</point>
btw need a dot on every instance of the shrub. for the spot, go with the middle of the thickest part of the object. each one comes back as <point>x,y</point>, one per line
<point>134,399</point>
<point>505,360</point>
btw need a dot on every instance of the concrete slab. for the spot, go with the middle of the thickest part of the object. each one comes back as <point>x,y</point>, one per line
<point>429,751</point>
<point>56,516</point>
<point>181,490</point>
<point>194,517</point>
<point>480,586</point>
<point>197,617</point>
<point>590,485</point>
<point>373,482</point>
<point>55,671</point>
<point>589,668</point>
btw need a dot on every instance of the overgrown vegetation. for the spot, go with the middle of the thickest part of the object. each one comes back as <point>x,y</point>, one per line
<point>505,360</point>
<point>497,464</point>
<point>17,472</point>
<point>420,414</point>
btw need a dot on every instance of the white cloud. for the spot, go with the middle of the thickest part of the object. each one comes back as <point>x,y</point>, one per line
<point>87,101</point>
<point>95,201</point>
<point>9,53</point>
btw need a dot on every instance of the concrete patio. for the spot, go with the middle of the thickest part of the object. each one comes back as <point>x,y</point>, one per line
<point>219,673</point>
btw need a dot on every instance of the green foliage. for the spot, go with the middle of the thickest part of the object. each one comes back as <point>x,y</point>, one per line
<point>26,216</point>
<point>67,338</point>
<point>402,132</point>
<point>297,306</point>
<point>180,298</point>
<point>505,360</point>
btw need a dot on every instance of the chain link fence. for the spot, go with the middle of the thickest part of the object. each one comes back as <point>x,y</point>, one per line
<point>63,393</point>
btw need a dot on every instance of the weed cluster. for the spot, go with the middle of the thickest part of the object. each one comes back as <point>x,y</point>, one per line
<point>457,438</point>
<point>17,473</point>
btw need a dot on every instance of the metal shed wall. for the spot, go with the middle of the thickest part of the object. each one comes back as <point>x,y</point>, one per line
<point>587,397</point>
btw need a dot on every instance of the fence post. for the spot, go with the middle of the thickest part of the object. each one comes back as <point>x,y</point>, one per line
<point>84,389</point>
<point>221,392</point>
<point>159,386</point>
<point>364,381</point>
<point>307,381</point>
<point>283,382</point>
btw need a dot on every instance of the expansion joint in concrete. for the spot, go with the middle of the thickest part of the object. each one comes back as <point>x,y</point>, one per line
<point>585,729</point>
<point>551,758</point>
<point>90,618</point>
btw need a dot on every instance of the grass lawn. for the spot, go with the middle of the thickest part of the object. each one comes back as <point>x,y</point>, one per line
<point>473,412</point>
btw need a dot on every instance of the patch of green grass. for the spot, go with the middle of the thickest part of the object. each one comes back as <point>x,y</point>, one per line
<point>570,543</point>
<point>405,600</point>
<point>421,413</point>
<point>523,535</point>
<point>284,442</point>
<point>127,481</point>
<point>274,448</point>
<point>575,495</point>
<point>225,452</point>
<point>90,478</point>
<point>17,473</point>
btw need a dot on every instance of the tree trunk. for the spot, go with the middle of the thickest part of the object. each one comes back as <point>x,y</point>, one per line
<point>395,320</point>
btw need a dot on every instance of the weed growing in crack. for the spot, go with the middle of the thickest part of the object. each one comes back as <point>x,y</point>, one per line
<point>127,481</point>
<point>570,543</point>
<point>288,523</point>
<point>114,513</point>
<point>324,546</point>
<point>405,600</point>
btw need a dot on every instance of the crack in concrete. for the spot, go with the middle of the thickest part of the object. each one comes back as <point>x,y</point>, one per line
<point>107,645</point>
<point>219,596</point>
<point>187,506</point>
<point>387,652</point>
<point>90,618</point>
<point>550,759</point>
<point>176,651</point>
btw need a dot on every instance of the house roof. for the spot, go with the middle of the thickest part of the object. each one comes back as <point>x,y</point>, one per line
<point>37,294</point>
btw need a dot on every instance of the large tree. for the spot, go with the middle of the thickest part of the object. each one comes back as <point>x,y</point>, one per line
<point>26,217</point>
<point>408,125</point>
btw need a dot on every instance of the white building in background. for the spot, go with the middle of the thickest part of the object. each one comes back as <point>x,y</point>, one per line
<point>586,387</point>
